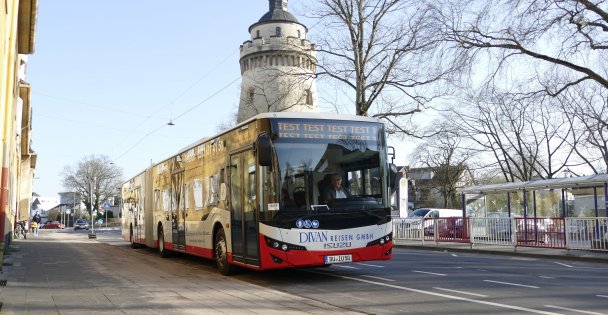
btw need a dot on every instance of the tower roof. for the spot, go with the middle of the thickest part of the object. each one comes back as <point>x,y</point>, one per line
<point>277,13</point>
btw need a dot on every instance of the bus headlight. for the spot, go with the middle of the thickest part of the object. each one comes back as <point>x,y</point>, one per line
<point>381,241</point>
<point>282,245</point>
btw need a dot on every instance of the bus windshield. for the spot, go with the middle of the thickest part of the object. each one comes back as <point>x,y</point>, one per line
<point>311,158</point>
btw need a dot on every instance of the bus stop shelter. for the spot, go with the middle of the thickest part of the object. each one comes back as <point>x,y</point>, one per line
<point>585,196</point>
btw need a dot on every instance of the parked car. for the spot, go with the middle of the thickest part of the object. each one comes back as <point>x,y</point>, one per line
<point>81,224</point>
<point>453,227</point>
<point>53,225</point>
<point>533,229</point>
<point>427,214</point>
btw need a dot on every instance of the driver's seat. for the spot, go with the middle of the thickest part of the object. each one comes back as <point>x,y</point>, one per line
<point>323,186</point>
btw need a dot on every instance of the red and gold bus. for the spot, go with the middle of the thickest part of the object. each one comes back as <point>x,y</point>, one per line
<point>253,196</point>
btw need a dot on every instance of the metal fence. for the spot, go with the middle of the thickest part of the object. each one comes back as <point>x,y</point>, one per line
<point>568,233</point>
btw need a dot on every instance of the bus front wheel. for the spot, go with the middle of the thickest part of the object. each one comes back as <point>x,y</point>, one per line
<point>221,253</point>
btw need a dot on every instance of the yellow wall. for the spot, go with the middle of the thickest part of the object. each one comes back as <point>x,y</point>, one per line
<point>17,21</point>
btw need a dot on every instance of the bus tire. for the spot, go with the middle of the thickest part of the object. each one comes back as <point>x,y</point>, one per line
<point>220,251</point>
<point>133,245</point>
<point>162,251</point>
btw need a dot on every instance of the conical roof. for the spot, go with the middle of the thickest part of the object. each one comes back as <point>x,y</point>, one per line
<point>277,13</point>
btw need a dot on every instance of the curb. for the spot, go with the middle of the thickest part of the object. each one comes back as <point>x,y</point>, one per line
<point>505,253</point>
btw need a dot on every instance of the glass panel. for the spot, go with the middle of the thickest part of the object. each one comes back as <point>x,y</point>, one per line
<point>310,153</point>
<point>251,230</point>
<point>235,205</point>
<point>476,205</point>
<point>548,203</point>
<point>601,202</point>
<point>580,202</point>
<point>517,204</point>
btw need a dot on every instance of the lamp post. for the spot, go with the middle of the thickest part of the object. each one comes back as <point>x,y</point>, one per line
<point>92,219</point>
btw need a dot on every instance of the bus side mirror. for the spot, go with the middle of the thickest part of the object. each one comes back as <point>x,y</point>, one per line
<point>392,178</point>
<point>264,150</point>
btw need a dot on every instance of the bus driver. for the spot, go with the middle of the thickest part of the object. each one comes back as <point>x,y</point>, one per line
<point>336,191</point>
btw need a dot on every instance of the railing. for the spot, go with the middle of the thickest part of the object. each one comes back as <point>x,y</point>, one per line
<point>568,233</point>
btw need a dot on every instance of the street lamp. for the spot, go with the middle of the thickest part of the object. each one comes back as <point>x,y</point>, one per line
<point>92,219</point>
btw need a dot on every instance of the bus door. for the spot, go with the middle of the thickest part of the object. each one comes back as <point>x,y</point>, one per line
<point>243,206</point>
<point>137,214</point>
<point>178,213</point>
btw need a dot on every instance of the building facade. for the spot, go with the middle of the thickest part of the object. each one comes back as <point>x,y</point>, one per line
<point>17,33</point>
<point>278,66</point>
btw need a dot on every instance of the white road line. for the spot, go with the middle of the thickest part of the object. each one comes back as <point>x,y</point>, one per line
<point>453,297</point>
<point>562,264</point>
<point>370,265</point>
<point>430,273</point>
<point>574,310</point>
<point>348,267</point>
<point>461,292</point>
<point>378,278</point>
<point>546,277</point>
<point>515,284</point>
<point>603,296</point>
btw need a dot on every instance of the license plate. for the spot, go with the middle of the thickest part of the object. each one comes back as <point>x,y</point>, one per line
<point>338,259</point>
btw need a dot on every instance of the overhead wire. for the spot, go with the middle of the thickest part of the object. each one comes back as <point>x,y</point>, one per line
<point>177,117</point>
<point>171,103</point>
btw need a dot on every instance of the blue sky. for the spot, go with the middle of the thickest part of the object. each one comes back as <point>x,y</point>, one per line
<point>108,75</point>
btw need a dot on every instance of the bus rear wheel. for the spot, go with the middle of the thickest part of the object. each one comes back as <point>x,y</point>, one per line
<point>162,251</point>
<point>133,245</point>
<point>221,253</point>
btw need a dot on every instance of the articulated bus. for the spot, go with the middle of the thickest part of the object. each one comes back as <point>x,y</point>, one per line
<point>253,196</point>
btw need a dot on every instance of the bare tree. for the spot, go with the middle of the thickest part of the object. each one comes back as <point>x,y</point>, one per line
<point>94,176</point>
<point>551,45</point>
<point>587,110</point>
<point>445,155</point>
<point>523,138</point>
<point>386,52</point>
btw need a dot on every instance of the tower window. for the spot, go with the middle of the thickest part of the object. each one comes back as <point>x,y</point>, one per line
<point>278,31</point>
<point>299,34</point>
<point>250,96</point>
<point>257,34</point>
<point>308,97</point>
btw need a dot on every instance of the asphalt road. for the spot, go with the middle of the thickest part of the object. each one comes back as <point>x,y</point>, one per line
<point>430,282</point>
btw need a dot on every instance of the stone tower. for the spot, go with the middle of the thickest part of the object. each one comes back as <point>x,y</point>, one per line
<point>278,66</point>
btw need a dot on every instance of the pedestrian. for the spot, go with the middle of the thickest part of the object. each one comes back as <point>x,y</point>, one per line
<point>35,228</point>
<point>36,219</point>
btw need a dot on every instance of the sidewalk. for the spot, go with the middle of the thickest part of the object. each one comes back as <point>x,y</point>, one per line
<point>67,273</point>
<point>537,252</point>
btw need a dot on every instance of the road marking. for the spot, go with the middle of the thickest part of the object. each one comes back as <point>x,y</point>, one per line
<point>453,297</point>
<point>430,273</point>
<point>348,267</point>
<point>603,296</point>
<point>515,284</point>
<point>378,278</point>
<point>546,277</point>
<point>454,255</point>
<point>574,310</point>
<point>369,265</point>
<point>562,264</point>
<point>461,292</point>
